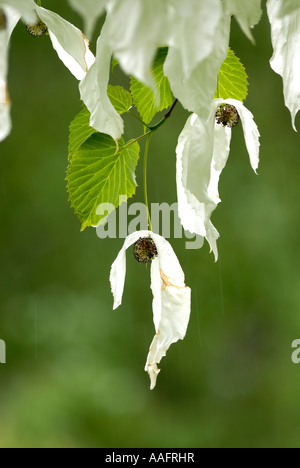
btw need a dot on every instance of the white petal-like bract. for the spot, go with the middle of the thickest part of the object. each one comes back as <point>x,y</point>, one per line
<point>197,195</point>
<point>199,25</point>
<point>12,18</point>
<point>93,91</point>
<point>25,8</point>
<point>286,58</point>
<point>247,13</point>
<point>251,132</point>
<point>171,298</point>
<point>90,10</point>
<point>196,91</point>
<point>68,41</point>
<point>134,42</point>
<point>196,23</point>
<point>202,153</point>
<point>288,6</point>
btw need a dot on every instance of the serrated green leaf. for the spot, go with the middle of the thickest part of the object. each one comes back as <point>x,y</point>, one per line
<point>120,98</point>
<point>80,131</point>
<point>233,79</point>
<point>143,97</point>
<point>98,174</point>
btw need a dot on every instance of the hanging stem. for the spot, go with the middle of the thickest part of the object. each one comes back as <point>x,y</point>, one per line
<point>148,135</point>
<point>166,117</point>
<point>39,3</point>
<point>138,139</point>
<point>145,178</point>
<point>138,118</point>
<point>154,127</point>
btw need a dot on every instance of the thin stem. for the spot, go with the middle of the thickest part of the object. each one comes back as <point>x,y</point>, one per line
<point>145,178</point>
<point>39,3</point>
<point>166,117</point>
<point>148,136</point>
<point>169,113</point>
<point>138,118</point>
<point>138,139</point>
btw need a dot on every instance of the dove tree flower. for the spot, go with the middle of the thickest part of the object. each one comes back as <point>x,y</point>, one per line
<point>202,153</point>
<point>284,16</point>
<point>68,41</point>
<point>192,63</point>
<point>171,297</point>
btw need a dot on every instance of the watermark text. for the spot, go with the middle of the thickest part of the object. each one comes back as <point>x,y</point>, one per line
<point>164,219</point>
<point>2,352</point>
<point>296,353</point>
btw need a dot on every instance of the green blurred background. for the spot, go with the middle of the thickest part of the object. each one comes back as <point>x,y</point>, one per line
<point>74,375</point>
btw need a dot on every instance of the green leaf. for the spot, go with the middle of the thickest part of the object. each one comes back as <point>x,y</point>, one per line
<point>100,174</point>
<point>120,98</point>
<point>114,63</point>
<point>144,99</point>
<point>233,79</point>
<point>80,131</point>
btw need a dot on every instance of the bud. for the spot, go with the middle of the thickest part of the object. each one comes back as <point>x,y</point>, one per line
<point>3,20</point>
<point>38,29</point>
<point>145,250</point>
<point>227,115</point>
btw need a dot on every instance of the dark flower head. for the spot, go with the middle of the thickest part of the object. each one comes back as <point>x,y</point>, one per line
<point>145,250</point>
<point>227,115</point>
<point>38,29</point>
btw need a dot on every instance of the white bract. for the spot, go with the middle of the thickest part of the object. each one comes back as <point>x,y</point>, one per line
<point>171,298</point>
<point>196,91</point>
<point>247,13</point>
<point>196,33</point>
<point>134,43</point>
<point>68,41</point>
<point>288,6</point>
<point>202,152</point>
<point>285,28</point>
<point>24,8</point>
<point>90,10</point>
<point>12,18</point>
<point>93,92</point>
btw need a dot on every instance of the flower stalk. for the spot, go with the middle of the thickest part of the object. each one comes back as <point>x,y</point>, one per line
<point>145,178</point>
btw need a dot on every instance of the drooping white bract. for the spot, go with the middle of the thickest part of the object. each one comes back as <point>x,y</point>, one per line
<point>196,90</point>
<point>202,153</point>
<point>285,31</point>
<point>12,10</point>
<point>90,10</point>
<point>288,6</point>
<point>197,36</point>
<point>68,41</point>
<point>247,13</point>
<point>93,92</point>
<point>25,9</point>
<point>135,29</point>
<point>171,298</point>
<point>194,31</point>
<point>12,18</point>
